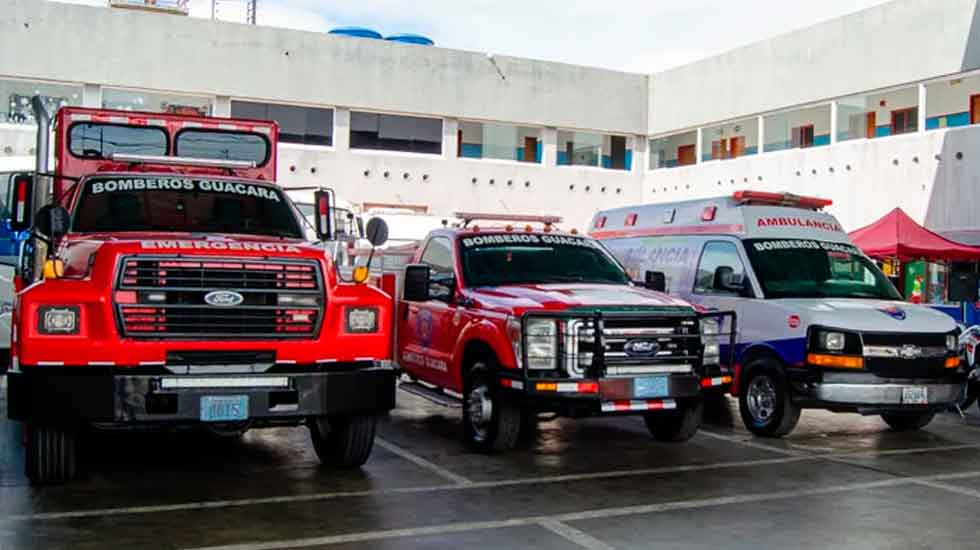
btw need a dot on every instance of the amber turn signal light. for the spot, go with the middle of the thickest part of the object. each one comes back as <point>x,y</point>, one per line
<point>835,361</point>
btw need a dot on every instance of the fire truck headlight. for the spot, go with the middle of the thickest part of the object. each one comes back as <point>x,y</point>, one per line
<point>362,320</point>
<point>542,344</point>
<point>60,320</point>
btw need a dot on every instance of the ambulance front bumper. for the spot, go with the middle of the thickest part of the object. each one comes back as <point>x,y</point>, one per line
<point>891,394</point>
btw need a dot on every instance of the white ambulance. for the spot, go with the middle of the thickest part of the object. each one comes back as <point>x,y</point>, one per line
<point>818,324</point>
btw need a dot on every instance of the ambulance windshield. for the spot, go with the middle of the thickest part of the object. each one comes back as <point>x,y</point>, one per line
<point>816,269</point>
<point>515,259</point>
<point>168,204</point>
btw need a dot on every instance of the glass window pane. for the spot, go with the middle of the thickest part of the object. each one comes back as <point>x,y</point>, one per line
<point>955,102</point>
<point>499,141</point>
<point>211,144</point>
<point>601,150</point>
<point>439,256</point>
<point>732,140</point>
<point>870,116</point>
<point>672,151</point>
<point>99,141</point>
<point>396,133</point>
<point>131,100</point>
<point>798,129</point>
<point>720,269</point>
<point>306,125</point>
<point>19,93</point>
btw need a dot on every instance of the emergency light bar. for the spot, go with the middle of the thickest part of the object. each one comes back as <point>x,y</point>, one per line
<point>780,199</point>
<point>468,217</point>
<point>182,161</point>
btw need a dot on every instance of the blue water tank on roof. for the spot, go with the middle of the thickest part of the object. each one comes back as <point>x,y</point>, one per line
<point>411,39</point>
<point>357,32</point>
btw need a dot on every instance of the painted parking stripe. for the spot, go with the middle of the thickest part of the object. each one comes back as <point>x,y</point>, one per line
<point>573,535</point>
<point>541,480</point>
<point>745,443</point>
<point>460,527</point>
<point>421,462</point>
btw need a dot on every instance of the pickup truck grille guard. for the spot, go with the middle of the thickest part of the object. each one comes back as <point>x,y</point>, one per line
<point>165,297</point>
<point>604,344</point>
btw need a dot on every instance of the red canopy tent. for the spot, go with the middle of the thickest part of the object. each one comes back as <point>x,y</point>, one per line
<point>898,236</point>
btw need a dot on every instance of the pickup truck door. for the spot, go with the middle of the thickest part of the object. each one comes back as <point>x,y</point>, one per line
<point>429,330</point>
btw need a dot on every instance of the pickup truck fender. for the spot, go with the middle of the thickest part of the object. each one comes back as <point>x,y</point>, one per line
<point>490,334</point>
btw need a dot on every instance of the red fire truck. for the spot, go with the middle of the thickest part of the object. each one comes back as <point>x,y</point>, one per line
<point>508,322</point>
<point>168,284</point>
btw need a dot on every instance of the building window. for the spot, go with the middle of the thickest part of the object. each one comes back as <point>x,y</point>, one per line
<point>953,103</point>
<point>599,150</point>
<point>305,125</point>
<point>797,129</point>
<point>732,140</point>
<point>905,121</point>
<point>868,116</point>
<point>131,100</point>
<point>18,94</point>
<point>499,141</point>
<point>395,133</point>
<point>672,151</point>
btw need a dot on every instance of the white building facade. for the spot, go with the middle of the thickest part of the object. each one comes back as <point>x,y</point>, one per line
<point>874,110</point>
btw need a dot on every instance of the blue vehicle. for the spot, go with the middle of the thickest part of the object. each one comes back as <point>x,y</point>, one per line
<point>10,243</point>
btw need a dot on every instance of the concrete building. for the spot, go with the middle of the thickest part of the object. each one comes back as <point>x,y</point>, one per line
<point>874,110</point>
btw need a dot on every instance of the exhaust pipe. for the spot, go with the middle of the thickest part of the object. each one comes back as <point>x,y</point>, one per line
<point>43,149</point>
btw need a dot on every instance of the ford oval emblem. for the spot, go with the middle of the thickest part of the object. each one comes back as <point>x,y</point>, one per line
<point>224,298</point>
<point>641,348</point>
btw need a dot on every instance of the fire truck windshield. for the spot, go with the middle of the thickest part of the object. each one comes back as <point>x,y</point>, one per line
<point>113,204</point>
<point>514,259</point>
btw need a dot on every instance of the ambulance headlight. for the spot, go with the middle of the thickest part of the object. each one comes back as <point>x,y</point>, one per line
<point>542,344</point>
<point>832,341</point>
<point>58,320</point>
<point>952,343</point>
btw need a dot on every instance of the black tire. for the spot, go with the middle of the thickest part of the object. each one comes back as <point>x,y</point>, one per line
<point>501,431</point>
<point>770,412</point>
<point>51,455</point>
<point>675,426</point>
<point>344,441</point>
<point>908,422</point>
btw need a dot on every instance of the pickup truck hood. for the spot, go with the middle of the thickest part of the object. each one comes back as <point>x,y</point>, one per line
<point>78,251</point>
<point>868,315</point>
<point>517,299</point>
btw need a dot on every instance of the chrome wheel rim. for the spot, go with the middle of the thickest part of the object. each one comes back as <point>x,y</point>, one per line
<point>761,399</point>
<point>480,408</point>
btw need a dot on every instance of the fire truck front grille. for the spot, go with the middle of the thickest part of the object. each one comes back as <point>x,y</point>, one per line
<point>196,298</point>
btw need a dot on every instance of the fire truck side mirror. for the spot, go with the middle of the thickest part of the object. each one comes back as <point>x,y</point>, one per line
<point>324,215</point>
<point>416,283</point>
<point>655,280</point>
<point>21,202</point>
<point>377,231</point>
<point>52,222</point>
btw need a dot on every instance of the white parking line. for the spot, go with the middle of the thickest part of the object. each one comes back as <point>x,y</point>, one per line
<point>471,485</point>
<point>571,534</point>
<point>745,443</point>
<point>421,462</point>
<point>585,515</point>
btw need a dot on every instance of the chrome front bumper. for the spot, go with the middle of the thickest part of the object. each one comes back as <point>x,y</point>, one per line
<point>885,394</point>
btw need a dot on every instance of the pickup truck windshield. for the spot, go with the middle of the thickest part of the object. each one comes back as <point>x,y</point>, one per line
<point>193,205</point>
<point>514,259</point>
<point>797,268</point>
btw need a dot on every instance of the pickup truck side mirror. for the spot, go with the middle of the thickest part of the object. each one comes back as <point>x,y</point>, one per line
<point>655,280</point>
<point>416,286</point>
<point>21,202</point>
<point>323,202</point>
<point>52,222</point>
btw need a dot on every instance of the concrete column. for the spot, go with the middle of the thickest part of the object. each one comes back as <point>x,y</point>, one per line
<point>699,147</point>
<point>762,134</point>
<point>549,147</point>
<point>641,154</point>
<point>222,107</point>
<point>341,129</point>
<point>450,138</point>
<point>92,96</point>
<point>833,122</point>
<point>923,101</point>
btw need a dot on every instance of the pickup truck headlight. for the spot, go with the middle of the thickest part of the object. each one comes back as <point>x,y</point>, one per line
<point>362,320</point>
<point>710,329</point>
<point>952,343</point>
<point>542,344</point>
<point>58,320</point>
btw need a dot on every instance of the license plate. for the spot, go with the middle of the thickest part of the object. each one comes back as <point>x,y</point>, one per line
<point>654,386</point>
<point>915,396</point>
<point>224,408</point>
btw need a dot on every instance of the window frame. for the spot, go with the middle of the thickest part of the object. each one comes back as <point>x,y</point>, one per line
<point>377,150</point>
<point>265,139</point>
<point>167,138</point>
<point>746,278</point>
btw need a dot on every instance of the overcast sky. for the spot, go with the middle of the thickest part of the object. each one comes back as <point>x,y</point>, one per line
<point>631,35</point>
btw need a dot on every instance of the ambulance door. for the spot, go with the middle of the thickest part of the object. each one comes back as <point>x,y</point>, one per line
<point>722,282</point>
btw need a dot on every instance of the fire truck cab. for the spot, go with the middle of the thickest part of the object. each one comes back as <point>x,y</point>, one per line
<point>507,322</point>
<point>168,284</point>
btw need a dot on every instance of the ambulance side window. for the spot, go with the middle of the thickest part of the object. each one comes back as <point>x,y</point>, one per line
<point>721,271</point>
<point>438,256</point>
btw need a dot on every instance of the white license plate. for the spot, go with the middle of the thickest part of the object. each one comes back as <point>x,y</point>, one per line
<point>915,396</point>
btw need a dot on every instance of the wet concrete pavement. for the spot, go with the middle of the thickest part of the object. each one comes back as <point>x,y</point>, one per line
<point>839,481</point>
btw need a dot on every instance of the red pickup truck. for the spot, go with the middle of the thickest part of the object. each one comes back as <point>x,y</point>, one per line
<point>510,322</point>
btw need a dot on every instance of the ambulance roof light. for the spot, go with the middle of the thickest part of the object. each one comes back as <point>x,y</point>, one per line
<point>780,199</point>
